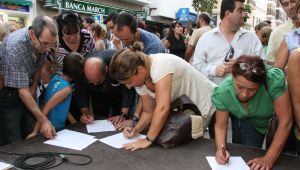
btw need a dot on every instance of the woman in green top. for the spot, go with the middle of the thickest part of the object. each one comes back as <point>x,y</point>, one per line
<point>250,96</point>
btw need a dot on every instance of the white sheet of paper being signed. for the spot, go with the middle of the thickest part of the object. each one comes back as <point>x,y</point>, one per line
<point>100,126</point>
<point>4,166</point>
<point>118,140</point>
<point>234,163</point>
<point>71,139</point>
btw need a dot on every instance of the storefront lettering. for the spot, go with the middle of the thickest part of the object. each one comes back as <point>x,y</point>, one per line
<point>95,9</point>
<point>87,7</point>
<point>74,6</point>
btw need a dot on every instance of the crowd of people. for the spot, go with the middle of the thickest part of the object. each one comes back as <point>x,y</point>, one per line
<point>66,69</point>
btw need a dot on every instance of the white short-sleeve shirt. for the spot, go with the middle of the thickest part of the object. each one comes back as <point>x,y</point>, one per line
<point>185,80</point>
<point>212,48</point>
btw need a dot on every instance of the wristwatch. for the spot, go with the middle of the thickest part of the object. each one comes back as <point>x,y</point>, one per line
<point>124,116</point>
<point>150,140</point>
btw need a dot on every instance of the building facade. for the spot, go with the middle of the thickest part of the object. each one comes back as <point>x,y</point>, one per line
<point>17,12</point>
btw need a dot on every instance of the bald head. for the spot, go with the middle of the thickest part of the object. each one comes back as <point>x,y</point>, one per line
<point>94,70</point>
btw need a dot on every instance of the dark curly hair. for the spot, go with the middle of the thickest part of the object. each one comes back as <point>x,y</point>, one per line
<point>68,23</point>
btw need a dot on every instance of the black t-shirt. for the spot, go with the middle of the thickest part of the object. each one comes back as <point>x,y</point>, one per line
<point>177,46</point>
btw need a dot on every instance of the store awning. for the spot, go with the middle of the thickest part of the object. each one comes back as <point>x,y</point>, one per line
<point>18,2</point>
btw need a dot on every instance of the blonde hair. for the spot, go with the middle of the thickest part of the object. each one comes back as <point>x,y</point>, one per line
<point>124,63</point>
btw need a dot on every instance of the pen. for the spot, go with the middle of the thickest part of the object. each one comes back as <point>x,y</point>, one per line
<point>133,123</point>
<point>224,151</point>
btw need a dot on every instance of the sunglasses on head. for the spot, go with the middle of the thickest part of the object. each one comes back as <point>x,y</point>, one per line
<point>229,55</point>
<point>256,70</point>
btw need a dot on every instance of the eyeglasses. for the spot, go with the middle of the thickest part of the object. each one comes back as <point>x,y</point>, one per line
<point>229,55</point>
<point>47,45</point>
<point>256,70</point>
<point>98,82</point>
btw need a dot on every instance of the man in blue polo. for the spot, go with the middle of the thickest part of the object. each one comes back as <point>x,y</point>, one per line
<point>127,31</point>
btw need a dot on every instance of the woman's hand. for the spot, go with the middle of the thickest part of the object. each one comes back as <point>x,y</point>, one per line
<point>262,163</point>
<point>86,118</point>
<point>139,144</point>
<point>129,132</point>
<point>221,158</point>
<point>122,124</point>
<point>115,119</point>
<point>31,135</point>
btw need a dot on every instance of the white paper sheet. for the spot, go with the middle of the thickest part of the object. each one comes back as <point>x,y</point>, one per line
<point>4,166</point>
<point>118,140</point>
<point>234,163</point>
<point>71,139</point>
<point>100,126</point>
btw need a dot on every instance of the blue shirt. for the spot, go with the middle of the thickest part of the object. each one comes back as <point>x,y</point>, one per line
<point>59,113</point>
<point>152,44</point>
<point>292,39</point>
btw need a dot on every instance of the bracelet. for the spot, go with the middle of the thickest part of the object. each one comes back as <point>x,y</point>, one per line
<point>134,119</point>
<point>149,140</point>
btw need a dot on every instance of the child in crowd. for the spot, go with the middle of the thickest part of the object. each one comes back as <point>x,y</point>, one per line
<point>59,92</point>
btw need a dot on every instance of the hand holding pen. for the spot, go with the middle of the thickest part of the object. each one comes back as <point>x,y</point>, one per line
<point>222,155</point>
<point>130,131</point>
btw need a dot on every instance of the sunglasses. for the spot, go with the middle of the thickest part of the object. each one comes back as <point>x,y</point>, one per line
<point>229,55</point>
<point>256,70</point>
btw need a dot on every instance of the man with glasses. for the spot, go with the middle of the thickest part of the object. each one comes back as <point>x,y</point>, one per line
<point>22,56</point>
<point>217,48</point>
<point>108,97</point>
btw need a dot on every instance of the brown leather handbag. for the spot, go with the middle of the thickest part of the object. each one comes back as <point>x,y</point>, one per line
<point>178,127</point>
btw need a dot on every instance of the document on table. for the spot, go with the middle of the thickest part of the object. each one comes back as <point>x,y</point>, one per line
<point>71,139</point>
<point>235,162</point>
<point>4,166</point>
<point>118,140</point>
<point>100,126</point>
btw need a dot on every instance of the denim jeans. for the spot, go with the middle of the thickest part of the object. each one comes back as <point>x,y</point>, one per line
<point>244,133</point>
<point>11,111</point>
<point>298,147</point>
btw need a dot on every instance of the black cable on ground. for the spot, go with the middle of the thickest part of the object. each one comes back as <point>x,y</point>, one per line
<point>48,160</point>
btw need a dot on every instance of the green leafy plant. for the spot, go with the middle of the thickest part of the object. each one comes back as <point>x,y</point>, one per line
<point>204,5</point>
<point>248,10</point>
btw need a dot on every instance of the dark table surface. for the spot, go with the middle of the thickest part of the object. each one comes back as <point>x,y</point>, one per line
<point>185,157</point>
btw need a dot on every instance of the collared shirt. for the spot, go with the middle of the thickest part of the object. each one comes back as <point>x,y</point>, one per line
<point>275,39</point>
<point>19,62</point>
<point>292,39</point>
<point>152,44</point>
<point>260,106</point>
<point>196,36</point>
<point>212,48</point>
